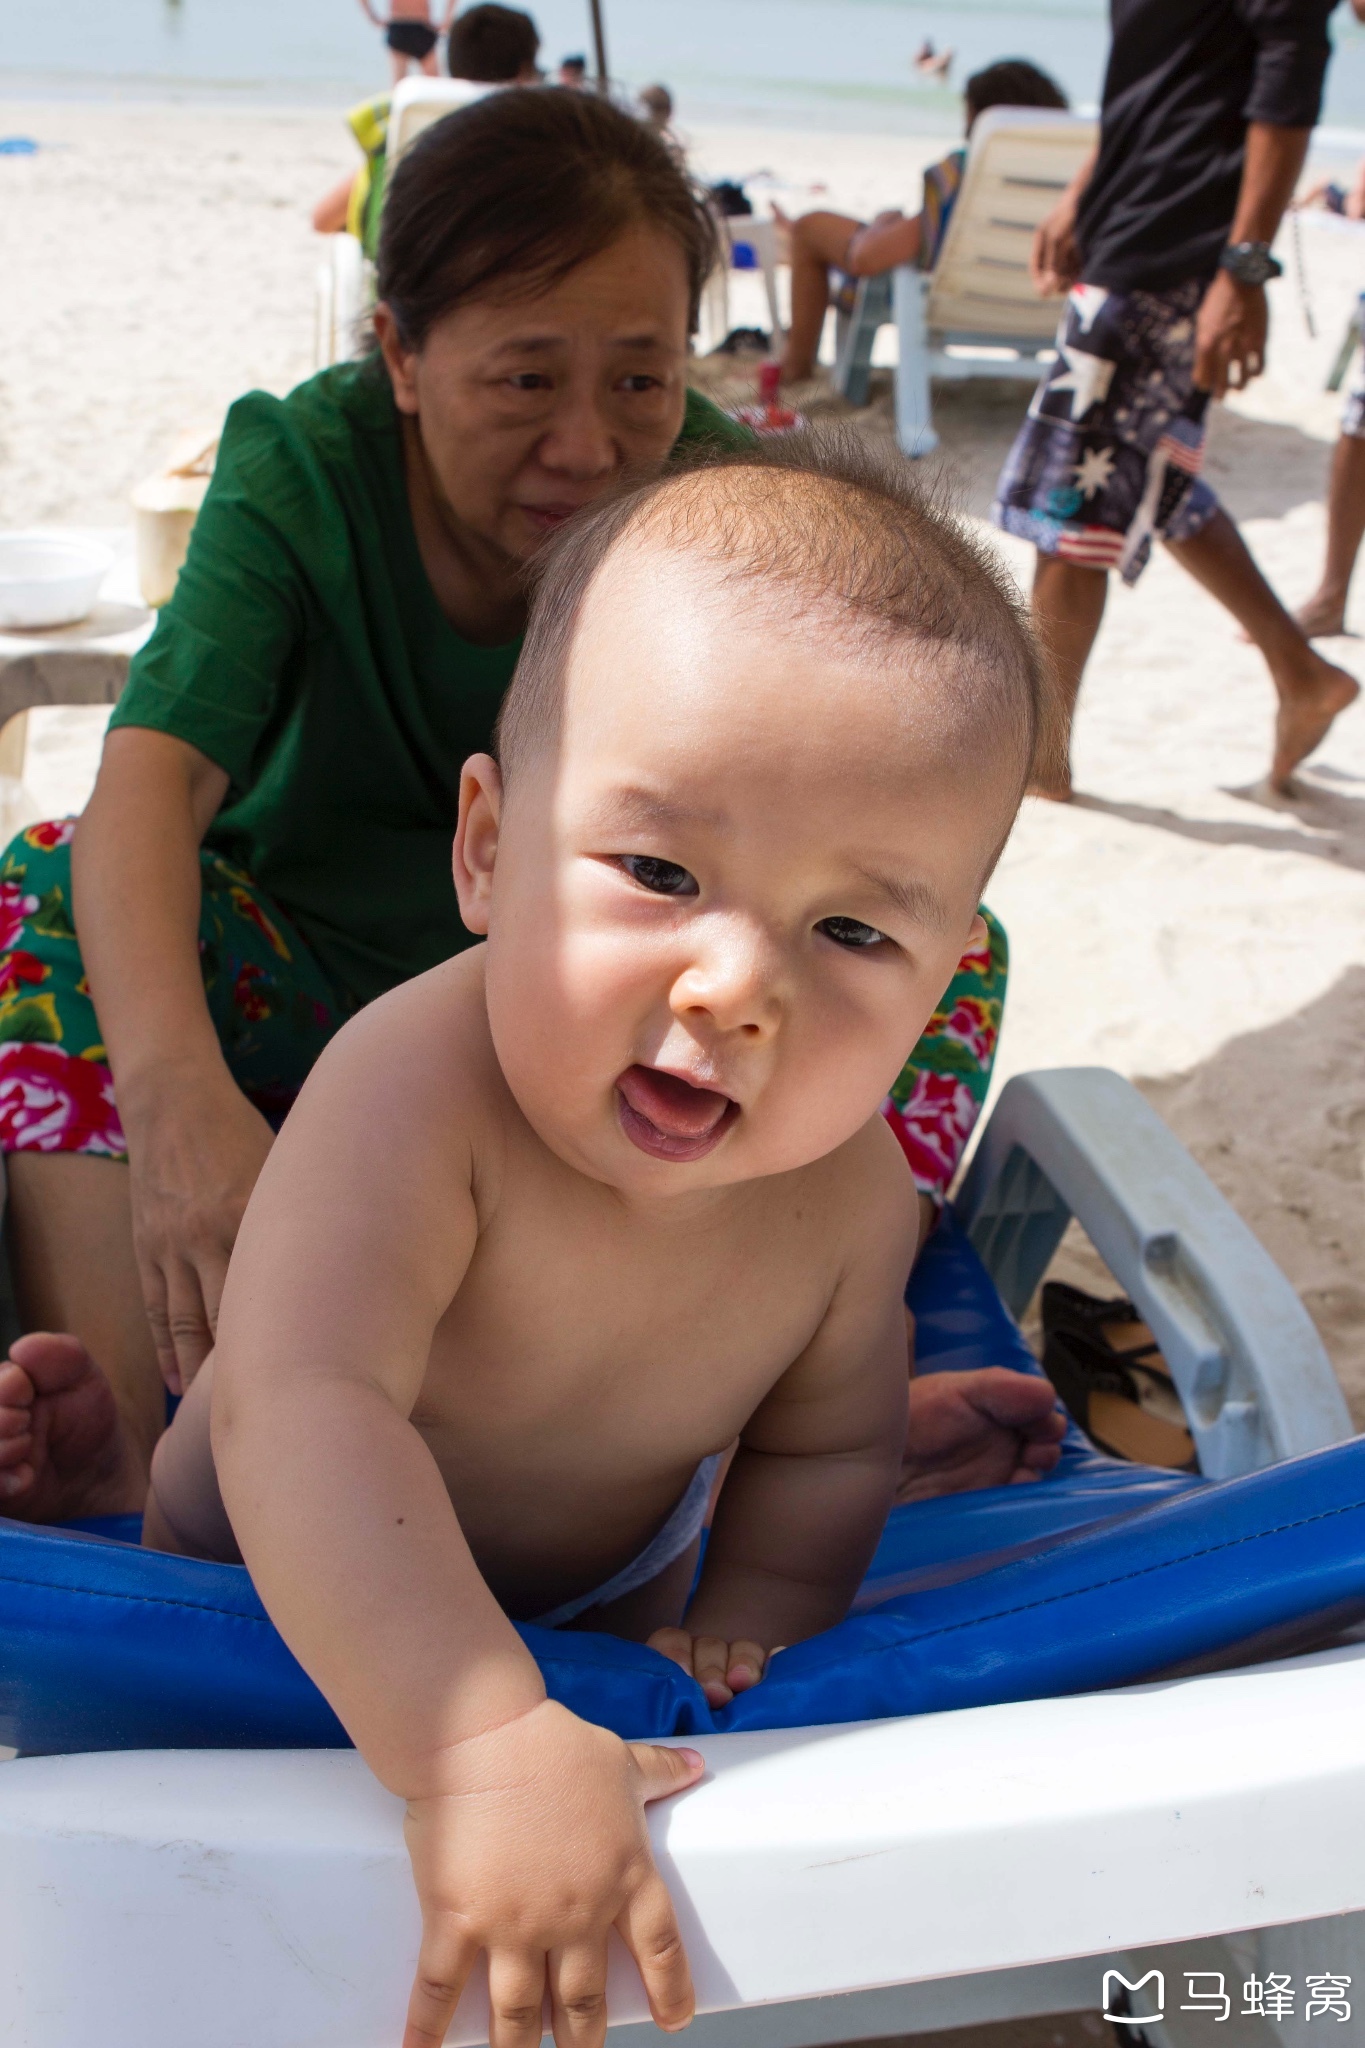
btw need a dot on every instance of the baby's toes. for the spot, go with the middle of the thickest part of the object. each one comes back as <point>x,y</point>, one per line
<point>745,1667</point>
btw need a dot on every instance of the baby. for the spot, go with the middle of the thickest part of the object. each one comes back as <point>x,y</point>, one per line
<point>555,1226</point>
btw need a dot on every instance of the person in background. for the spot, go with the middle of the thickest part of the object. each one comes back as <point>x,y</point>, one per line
<point>410,34</point>
<point>573,72</point>
<point>1325,612</point>
<point>656,108</point>
<point>489,45</point>
<point>1163,242</point>
<point>825,242</point>
<point>494,45</point>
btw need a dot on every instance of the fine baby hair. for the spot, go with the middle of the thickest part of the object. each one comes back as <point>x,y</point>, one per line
<point>849,536</point>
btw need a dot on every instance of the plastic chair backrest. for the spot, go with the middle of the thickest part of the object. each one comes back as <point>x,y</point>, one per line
<point>1020,161</point>
<point>417,102</point>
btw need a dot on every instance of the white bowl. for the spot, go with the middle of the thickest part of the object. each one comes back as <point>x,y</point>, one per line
<point>46,580</point>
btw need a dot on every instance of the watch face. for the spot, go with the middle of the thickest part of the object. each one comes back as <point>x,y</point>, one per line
<point>1251,263</point>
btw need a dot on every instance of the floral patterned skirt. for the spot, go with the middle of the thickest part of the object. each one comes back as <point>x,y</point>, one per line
<point>274,1011</point>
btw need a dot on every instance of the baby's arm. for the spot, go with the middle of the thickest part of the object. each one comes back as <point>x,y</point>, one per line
<point>525,1825</point>
<point>812,1481</point>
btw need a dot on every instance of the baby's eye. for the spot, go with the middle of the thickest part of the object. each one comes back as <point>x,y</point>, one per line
<point>664,877</point>
<point>850,931</point>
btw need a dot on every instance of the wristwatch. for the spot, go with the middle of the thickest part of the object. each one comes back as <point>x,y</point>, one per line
<point>1250,262</point>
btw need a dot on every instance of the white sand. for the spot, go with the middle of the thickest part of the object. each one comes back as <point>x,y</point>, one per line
<point>1171,923</point>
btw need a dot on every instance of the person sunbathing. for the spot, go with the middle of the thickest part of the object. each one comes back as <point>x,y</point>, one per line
<point>822,243</point>
<point>559,1225</point>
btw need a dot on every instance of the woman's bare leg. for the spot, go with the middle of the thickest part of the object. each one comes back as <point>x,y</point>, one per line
<point>1325,611</point>
<point>71,1248</point>
<point>819,241</point>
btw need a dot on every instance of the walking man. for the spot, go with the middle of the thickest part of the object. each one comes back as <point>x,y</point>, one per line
<point>1163,243</point>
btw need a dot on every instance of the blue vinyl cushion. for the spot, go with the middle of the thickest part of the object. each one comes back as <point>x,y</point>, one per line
<point>1100,1574</point>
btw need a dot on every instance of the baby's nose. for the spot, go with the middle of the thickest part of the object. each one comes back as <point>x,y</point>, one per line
<point>737,985</point>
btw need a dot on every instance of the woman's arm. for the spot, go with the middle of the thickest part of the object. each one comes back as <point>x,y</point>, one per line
<point>195,1143</point>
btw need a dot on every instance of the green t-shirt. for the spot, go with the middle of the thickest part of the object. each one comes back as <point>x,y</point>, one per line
<point>304,652</point>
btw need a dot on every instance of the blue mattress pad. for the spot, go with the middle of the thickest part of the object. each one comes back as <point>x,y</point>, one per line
<point>1100,1574</point>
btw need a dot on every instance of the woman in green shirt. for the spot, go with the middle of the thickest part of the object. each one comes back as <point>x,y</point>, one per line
<point>268,844</point>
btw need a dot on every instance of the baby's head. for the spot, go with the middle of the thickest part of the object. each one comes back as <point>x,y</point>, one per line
<point>768,735</point>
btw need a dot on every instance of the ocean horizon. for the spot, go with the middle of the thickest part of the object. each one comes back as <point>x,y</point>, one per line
<point>843,64</point>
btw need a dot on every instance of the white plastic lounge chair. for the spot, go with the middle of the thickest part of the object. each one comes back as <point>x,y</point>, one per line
<point>834,1883</point>
<point>752,243</point>
<point>344,289</point>
<point>976,313</point>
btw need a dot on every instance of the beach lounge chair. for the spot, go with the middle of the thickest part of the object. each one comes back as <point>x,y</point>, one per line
<point>344,284</point>
<point>976,313</point>
<point>1019,1767</point>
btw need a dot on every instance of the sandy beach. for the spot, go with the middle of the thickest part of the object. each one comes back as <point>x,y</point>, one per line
<point>1173,922</point>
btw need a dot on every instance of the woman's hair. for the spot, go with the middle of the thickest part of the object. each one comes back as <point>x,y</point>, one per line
<point>511,193</point>
<point>491,44</point>
<point>1013,82</point>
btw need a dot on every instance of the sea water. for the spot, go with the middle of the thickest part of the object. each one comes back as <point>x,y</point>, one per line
<point>817,63</point>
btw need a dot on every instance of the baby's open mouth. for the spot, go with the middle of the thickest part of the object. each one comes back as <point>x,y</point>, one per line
<point>669,1118</point>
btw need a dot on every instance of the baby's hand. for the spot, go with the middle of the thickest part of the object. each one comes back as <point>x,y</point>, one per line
<point>532,1849</point>
<point>721,1669</point>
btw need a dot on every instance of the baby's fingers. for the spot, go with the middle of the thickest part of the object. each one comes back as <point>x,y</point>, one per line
<point>710,1663</point>
<point>649,1928</point>
<point>675,1644</point>
<point>516,1998</point>
<point>578,1995</point>
<point>746,1665</point>
<point>444,1963</point>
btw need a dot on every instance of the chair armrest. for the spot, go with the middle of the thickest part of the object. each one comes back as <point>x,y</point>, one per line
<point>1250,1368</point>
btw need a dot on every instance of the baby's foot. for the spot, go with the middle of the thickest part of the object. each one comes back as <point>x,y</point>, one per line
<point>1307,709</point>
<point>64,1450</point>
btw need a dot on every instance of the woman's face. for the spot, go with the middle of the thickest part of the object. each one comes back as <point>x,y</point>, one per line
<point>530,407</point>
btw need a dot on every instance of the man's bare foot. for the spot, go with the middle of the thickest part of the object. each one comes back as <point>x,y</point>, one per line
<point>1307,709</point>
<point>64,1451</point>
<point>1323,617</point>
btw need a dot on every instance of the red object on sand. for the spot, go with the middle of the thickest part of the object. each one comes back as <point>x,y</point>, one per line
<point>770,416</point>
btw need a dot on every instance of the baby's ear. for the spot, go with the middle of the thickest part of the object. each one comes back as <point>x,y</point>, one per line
<point>476,839</point>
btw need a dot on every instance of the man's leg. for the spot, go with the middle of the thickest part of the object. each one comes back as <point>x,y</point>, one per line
<point>819,241</point>
<point>1068,604</point>
<point>1325,611</point>
<point>1311,690</point>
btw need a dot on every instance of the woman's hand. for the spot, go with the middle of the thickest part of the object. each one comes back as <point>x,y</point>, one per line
<point>721,1669</point>
<point>534,1847</point>
<point>196,1146</point>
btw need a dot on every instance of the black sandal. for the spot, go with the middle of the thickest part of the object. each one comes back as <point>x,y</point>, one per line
<point>1122,1395</point>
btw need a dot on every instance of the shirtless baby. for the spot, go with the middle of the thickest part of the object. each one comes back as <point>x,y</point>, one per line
<point>554,1226</point>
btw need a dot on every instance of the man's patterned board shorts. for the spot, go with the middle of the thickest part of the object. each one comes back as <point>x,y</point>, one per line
<point>1113,444</point>
<point>274,1010</point>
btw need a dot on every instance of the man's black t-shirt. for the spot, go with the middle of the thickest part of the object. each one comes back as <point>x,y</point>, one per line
<point>1184,79</point>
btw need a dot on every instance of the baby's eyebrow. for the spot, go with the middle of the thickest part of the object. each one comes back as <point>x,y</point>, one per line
<point>916,899</point>
<point>644,807</point>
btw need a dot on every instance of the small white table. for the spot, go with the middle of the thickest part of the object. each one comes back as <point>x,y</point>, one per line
<point>82,664</point>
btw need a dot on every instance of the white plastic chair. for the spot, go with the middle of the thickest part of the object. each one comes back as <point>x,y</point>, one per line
<point>745,230</point>
<point>975,314</point>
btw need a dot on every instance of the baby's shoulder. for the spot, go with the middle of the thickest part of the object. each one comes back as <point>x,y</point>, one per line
<point>420,1060</point>
<point>866,1191</point>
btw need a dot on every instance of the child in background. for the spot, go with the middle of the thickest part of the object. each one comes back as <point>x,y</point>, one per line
<point>557,1227</point>
<point>825,242</point>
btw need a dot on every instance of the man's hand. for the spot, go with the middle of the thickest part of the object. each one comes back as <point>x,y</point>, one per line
<point>970,1429</point>
<point>1054,260</point>
<point>721,1669</point>
<point>1229,336</point>
<point>532,1850</point>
